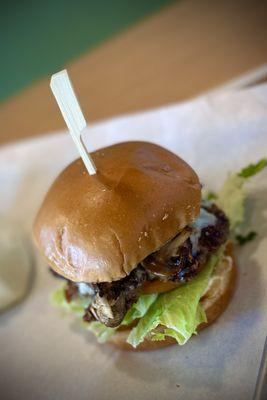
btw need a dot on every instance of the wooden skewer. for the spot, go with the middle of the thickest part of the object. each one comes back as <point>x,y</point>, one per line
<point>71,111</point>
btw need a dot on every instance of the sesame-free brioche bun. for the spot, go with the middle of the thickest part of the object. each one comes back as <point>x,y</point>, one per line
<point>214,301</point>
<point>98,228</point>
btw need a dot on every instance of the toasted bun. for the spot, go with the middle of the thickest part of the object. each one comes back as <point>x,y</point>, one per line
<point>98,228</point>
<point>214,302</point>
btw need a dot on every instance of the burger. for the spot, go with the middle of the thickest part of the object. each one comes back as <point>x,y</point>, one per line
<point>145,261</point>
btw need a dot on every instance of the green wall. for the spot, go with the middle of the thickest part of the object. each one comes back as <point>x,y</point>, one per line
<point>39,37</point>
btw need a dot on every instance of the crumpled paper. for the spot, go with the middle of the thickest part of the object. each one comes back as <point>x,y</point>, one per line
<point>44,355</point>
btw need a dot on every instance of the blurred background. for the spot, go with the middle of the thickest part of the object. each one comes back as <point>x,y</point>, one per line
<point>122,56</point>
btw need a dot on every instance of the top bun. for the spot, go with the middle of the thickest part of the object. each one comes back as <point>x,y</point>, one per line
<point>98,228</point>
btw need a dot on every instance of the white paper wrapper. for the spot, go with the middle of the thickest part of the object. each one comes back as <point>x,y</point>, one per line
<point>45,356</point>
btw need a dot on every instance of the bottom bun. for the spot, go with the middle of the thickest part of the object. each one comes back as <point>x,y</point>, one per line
<point>214,301</point>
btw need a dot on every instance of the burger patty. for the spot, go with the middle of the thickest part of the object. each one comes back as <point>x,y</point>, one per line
<point>176,262</point>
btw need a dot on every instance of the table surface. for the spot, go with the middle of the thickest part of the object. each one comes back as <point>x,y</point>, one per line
<point>181,51</point>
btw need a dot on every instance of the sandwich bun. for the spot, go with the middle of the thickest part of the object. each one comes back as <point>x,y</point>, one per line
<point>97,228</point>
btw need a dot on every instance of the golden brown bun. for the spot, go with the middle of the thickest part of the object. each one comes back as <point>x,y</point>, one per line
<point>98,228</point>
<point>214,302</point>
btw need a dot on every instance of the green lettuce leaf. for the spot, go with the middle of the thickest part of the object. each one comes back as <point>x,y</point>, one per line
<point>253,169</point>
<point>200,317</point>
<point>178,311</point>
<point>75,306</point>
<point>101,331</point>
<point>79,303</point>
<point>243,239</point>
<point>210,195</point>
<point>139,308</point>
<point>231,197</point>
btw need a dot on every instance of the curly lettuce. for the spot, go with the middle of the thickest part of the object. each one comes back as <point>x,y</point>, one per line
<point>101,331</point>
<point>75,306</point>
<point>178,311</point>
<point>138,310</point>
<point>232,195</point>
